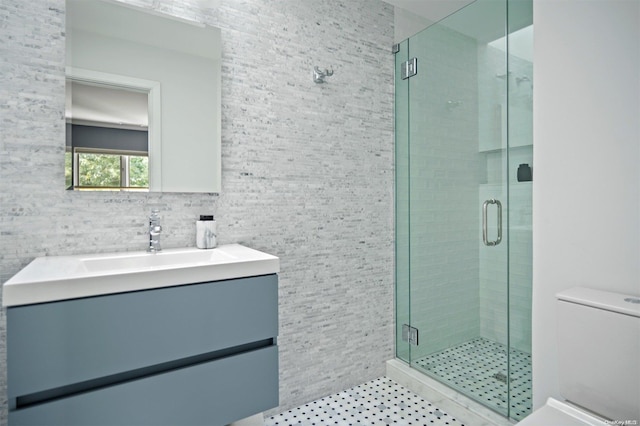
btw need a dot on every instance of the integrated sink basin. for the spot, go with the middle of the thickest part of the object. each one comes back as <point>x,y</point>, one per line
<point>163,259</point>
<point>52,278</point>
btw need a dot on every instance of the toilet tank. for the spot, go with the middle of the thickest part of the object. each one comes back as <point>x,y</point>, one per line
<point>599,351</point>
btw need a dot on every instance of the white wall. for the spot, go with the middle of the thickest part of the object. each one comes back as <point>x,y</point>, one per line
<point>586,151</point>
<point>411,17</point>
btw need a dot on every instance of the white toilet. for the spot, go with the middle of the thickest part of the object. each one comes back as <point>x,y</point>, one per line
<point>599,361</point>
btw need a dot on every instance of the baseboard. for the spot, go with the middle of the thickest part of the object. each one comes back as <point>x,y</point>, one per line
<point>452,402</point>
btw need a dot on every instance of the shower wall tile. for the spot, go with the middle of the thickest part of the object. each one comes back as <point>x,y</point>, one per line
<point>458,285</point>
<point>508,265</point>
<point>499,268</point>
<point>494,271</point>
<point>444,180</point>
<point>307,171</point>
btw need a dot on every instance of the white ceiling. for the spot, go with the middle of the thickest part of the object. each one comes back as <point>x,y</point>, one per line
<point>433,10</point>
<point>483,21</point>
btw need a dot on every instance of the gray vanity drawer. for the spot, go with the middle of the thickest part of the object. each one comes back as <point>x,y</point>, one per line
<point>61,343</point>
<point>212,393</point>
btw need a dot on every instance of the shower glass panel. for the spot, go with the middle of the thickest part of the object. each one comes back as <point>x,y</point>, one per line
<point>463,203</point>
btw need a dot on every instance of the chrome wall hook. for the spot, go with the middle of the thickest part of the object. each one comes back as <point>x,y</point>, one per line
<point>319,75</point>
<point>451,105</point>
<point>522,79</point>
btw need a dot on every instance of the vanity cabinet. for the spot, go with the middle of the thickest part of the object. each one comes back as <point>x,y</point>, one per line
<point>197,354</point>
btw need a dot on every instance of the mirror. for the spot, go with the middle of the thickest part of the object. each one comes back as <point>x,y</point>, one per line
<point>143,100</point>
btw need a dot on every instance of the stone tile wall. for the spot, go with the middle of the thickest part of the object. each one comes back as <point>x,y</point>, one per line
<point>307,171</point>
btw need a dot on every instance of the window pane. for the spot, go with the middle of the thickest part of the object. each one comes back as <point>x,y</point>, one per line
<point>68,169</point>
<point>139,172</point>
<point>99,170</point>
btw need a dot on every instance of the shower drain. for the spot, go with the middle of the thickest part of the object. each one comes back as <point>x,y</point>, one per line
<point>501,377</point>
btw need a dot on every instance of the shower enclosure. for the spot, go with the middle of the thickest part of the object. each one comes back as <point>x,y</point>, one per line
<point>464,166</point>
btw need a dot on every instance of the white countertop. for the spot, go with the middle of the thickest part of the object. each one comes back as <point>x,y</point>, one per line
<point>52,278</point>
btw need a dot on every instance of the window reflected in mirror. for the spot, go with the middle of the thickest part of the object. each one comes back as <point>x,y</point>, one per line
<point>107,138</point>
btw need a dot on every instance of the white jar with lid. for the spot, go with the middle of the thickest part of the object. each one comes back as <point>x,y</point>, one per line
<point>206,232</point>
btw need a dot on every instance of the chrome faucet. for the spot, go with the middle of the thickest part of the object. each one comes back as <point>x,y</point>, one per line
<point>154,232</point>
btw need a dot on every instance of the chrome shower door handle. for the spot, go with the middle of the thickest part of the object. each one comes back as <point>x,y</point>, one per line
<point>499,224</point>
<point>485,205</point>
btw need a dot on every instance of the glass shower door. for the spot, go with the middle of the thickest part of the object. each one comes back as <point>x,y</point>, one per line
<point>453,184</point>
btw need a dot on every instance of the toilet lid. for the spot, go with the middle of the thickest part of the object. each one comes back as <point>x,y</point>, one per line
<point>556,413</point>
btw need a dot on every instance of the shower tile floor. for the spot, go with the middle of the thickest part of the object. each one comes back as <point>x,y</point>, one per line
<point>378,402</point>
<point>479,368</point>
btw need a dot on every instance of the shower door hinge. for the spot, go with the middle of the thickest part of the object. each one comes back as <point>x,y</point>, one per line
<point>410,334</point>
<point>409,68</point>
<point>395,48</point>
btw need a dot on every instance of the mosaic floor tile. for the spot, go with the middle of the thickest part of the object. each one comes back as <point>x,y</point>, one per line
<point>479,368</point>
<point>378,402</point>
